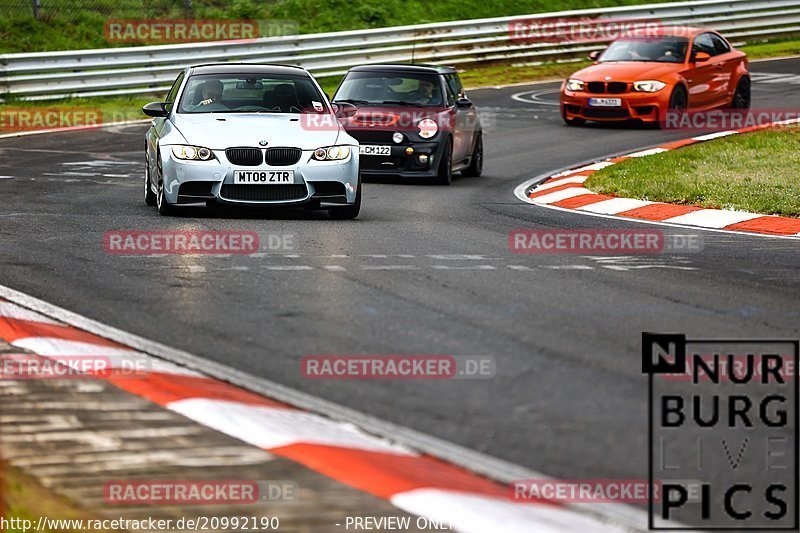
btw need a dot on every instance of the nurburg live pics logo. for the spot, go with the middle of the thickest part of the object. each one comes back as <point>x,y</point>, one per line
<point>722,444</point>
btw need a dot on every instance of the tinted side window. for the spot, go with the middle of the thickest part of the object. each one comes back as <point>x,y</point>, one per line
<point>173,92</point>
<point>703,43</point>
<point>454,83</point>
<point>720,46</point>
<point>451,94</point>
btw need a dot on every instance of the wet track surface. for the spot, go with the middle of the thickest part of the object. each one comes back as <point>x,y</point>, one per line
<point>425,270</point>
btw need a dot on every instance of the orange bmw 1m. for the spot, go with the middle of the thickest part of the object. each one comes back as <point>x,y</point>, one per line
<point>642,76</point>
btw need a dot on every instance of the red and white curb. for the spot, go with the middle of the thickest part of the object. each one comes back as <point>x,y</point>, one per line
<point>565,190</point>
<point>415,482</point>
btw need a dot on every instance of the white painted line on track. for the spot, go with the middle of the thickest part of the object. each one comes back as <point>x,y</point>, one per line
<point>535,97</point>
<point>74,128</point>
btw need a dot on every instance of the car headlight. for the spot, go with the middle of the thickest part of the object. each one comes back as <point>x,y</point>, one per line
<point>192,153</point>
<point>648,86</point>
<point>575,85</point>
<point>427,128</point>
<point>331,153</point>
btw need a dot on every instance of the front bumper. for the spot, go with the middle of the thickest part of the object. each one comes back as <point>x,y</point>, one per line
<point>401,162</point>
<point>646,107</point>
<point>199,182</point>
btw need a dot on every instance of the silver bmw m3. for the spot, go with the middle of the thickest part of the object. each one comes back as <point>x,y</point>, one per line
<point>255,135</point>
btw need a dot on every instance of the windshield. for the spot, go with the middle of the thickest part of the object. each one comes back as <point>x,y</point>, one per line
<point>253,93</point>
<point>661,50</point>
<point>375,88</point>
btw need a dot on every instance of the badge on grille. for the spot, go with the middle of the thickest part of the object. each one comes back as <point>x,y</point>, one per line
<point>262,143</point>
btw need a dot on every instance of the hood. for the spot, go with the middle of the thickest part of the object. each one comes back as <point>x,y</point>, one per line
<point>628,71</point>
<point>224,130</point>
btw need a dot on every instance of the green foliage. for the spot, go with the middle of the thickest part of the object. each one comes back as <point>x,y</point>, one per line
<point>65,26</point>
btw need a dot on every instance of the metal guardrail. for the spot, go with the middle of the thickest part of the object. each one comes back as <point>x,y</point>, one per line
<point>146,69</point>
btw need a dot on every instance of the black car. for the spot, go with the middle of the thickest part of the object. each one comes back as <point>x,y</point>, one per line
<point>411,121</point>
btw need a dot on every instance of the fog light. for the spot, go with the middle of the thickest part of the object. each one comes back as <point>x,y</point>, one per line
<point>397,137</point>
<point>409,151</point>
<point>423,158</point>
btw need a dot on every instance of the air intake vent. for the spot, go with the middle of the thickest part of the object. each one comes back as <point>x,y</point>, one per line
<point>246,157</point>
<point>596,87</point>
<point>281,157</point>
<point>617,87</point>
<point>264,193</point>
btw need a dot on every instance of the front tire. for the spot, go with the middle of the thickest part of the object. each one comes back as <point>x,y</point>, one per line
<point>445,173</point>
<point>348,212</point>
<point>678,104</point>
<point>475,168</point>
<point>149,195</point>
<point>164,207</point>
<point>741,98</point>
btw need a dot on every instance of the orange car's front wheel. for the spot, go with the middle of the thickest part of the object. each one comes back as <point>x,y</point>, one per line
<point>678,103</point>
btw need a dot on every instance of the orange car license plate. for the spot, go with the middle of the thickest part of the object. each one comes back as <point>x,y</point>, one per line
<point>605,102</point>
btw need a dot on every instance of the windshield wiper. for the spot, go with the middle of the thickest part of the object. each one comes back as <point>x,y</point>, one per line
<point>352,101</point>
<point>399,102</point>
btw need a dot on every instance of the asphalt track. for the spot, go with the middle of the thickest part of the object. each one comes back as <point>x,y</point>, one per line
<point>425,270</point>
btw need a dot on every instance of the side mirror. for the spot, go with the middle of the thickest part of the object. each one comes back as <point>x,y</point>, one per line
<point>464,103</point>
<point>701,57</point>
<point>594,56</point>
<point>344,109</point>
<point>155,109</point>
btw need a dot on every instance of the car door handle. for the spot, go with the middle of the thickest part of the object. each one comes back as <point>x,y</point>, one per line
<point>719,66</point>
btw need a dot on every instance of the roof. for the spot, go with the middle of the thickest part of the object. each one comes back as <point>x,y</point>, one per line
<point>248,68</point>
<point>404,67</point>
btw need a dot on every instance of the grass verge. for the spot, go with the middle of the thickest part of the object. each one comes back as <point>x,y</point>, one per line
<point>26,499</point>
<point>754,172</point>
